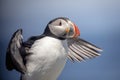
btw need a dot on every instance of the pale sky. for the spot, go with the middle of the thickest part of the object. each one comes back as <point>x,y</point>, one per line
<point>98,21</point>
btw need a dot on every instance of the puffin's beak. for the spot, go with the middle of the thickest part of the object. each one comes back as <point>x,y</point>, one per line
<point>72,32</point>
<point>76,31</point>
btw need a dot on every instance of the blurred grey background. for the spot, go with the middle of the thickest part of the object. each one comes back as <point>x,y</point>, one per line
<point>98,21</point>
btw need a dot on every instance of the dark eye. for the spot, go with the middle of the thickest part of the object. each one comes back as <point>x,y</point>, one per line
<point>60,23</point>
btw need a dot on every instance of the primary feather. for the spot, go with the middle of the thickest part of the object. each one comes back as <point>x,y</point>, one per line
<point>81,50</point>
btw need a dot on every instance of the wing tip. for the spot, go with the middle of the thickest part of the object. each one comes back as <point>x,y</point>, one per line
<point>92,50</point>
<point>15,43</point>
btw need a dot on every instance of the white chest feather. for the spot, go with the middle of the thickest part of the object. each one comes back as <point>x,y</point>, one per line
<point>47,59</point>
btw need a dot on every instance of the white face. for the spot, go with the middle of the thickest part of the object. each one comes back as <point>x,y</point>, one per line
<point>62,28</point>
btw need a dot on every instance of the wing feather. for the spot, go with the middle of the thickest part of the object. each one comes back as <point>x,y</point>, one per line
<point>81,50</point>
<point>14,59</point>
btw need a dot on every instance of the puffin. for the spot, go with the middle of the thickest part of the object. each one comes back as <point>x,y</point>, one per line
<point>44,56</point>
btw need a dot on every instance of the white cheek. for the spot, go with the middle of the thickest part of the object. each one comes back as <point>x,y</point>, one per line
<point>57,30</point>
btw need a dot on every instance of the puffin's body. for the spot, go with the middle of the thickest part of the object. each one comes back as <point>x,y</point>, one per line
<point>47,60</point>
<point>43,57</point>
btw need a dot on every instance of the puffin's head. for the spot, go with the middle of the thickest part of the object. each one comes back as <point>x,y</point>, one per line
<point>62,28</point>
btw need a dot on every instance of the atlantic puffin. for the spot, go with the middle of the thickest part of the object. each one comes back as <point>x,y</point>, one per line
<point>43,57</point>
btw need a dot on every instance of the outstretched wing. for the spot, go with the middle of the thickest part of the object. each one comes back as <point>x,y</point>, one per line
<point>81,50</point>
<point>14,58</point>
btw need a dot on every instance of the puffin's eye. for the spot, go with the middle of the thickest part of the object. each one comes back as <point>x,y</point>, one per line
<point>60,23</point>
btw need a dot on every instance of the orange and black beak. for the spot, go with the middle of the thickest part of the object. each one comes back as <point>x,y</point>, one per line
<point>76,31</point>
<point>72,31</point>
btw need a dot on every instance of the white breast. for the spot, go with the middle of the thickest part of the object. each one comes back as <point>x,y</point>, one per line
<point>47,60</point>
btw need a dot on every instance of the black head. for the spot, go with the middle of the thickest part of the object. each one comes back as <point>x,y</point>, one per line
<point>62,28</point>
